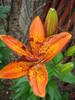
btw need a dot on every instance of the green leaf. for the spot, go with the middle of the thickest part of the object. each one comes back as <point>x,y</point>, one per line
<point>44,98</point>
<point>4,9</point>
<point>21,88</point>
<point>70,51</point>
<point>66,68</point>
<point>21,80</point>
<point>58,58</point>
<point>49,66</point>
<point>5,52</point>
<point>3,16</point>
<point>1,56</point>
<point>51,22</point>
<point>53,91</point>
<point>74,64</point>
<point>69,77</point>
<point>33,97</point>
<point>2,44</point>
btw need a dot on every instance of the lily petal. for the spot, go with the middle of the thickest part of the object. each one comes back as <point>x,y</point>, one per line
<point>17,47</point>
<point>15,69</point>
<point>36,34</point>
<point>53,45</point>
<point>38,79</point>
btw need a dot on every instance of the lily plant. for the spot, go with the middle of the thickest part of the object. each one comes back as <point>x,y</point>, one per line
<point>32,60</point>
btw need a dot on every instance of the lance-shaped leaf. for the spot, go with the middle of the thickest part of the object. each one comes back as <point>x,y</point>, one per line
<point>15,69</point>
<point>36,34</point>
<point>53,45</point>
<point>17,47</point>
<point>66,68</point>
<point>38,79</point>
<point>51,22</point>
<point>70,51</point>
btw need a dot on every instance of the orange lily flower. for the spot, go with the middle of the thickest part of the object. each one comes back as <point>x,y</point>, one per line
<point>32,62</point>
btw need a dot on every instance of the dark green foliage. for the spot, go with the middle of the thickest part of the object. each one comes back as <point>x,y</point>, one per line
<point>4,11</point>
<point>55,70</point>
<point>4,56</point>
<point>22,90</point>
<point>3,15</point>
<point>4,52</point>
<point>65,96</point>
<point>50,65</point>
<point>53,91</point>
<point>58,58</point>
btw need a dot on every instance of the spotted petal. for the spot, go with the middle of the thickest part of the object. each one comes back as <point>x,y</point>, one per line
<point>17,47</point>
<point>53,45</point>
<point>38,79</point>
<point>15,69</point>
<point>36,34</point>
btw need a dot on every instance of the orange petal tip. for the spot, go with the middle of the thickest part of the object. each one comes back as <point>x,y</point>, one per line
<point>38,78</point>
<point>36,34</point>
<point>53,45</point>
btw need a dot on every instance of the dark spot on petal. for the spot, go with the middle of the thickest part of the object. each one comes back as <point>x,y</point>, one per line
<point>39,43</point>
<point>23,47</point>
<point>31,39</point>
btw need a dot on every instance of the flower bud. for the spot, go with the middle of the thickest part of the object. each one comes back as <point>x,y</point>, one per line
<point>67,67</point>
<point>51,22</point>
<point>70,51</point>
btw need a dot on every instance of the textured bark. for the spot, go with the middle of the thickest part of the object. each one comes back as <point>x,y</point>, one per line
<point>13,24</point>
<point>22,12</point>
<point>30,9</point>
